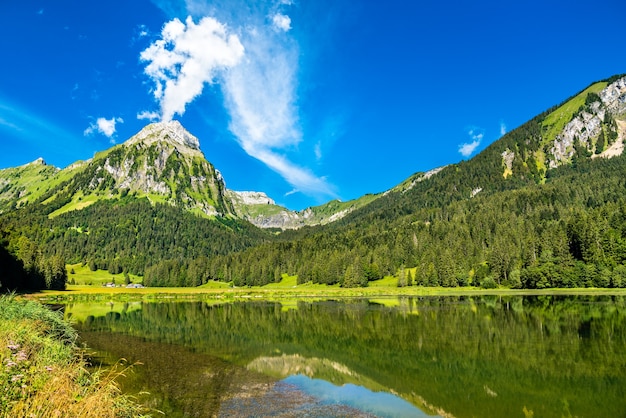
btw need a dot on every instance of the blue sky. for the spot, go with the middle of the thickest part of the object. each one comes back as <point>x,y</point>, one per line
<point>304,100</point>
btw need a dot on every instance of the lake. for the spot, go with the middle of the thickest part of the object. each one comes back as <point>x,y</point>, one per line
<point>478,356</point>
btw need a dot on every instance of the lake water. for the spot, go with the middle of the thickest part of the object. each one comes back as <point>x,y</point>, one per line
<point>489,356</point>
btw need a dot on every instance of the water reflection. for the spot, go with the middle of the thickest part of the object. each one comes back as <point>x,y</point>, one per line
<point>447,356</point>
<point>380,404</point>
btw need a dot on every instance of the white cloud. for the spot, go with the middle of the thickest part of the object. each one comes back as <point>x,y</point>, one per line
<point>142,31</point>
<point>281,22</point>
<point>151,116</point>
<point>476,134</point>
<point>257,71</point>
<point>260,93</point>
<point>8,124</point>
<point>26,125</point>
<point>468,148</point>
<point>188,56</point>
<point>260,96</point>
<point>318,151</point>
<point>103,126</point>
<point>502,128</point>
<point>302,179</point>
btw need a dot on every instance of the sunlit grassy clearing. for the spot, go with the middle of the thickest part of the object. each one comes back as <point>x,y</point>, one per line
<point>556,121</point>
<point>84,276</point>
<point>212,284</point>
<point>387,281</point>
<point>79,201</point>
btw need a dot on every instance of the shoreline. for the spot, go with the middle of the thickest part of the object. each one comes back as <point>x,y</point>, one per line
<point>296,292</point>
<point>43,371</point>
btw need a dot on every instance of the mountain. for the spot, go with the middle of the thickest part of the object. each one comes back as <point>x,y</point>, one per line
<point>262,211</point>
<point>162,162</point>
<point>538,207</point>
<point>19,183</point>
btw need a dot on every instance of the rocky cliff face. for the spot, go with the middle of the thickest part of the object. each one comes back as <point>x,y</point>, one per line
<point>592,119</point>
<point>251,198</point>
<point>284,219</point>
<point>162,162</point>
<point>167,132</point>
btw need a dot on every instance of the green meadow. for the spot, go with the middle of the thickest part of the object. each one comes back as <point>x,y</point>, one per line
<point>90,285</point>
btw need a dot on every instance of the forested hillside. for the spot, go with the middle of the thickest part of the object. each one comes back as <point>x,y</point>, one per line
<point>535,209</point>
<point>24,267</point>
<point>568,232</point>
<point>502,218</point>
<point>129,235</point>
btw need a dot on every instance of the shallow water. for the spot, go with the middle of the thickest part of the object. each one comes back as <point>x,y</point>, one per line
<point>490,356</point>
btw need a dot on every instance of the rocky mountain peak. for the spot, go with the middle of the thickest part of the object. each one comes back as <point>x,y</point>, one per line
<point>252,198</point>
<point>38,162</point>
<point>171,132</point>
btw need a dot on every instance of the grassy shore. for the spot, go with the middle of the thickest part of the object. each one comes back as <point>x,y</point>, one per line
<point>83,293</point>
<point>44,374</point>
<point>90,286</point>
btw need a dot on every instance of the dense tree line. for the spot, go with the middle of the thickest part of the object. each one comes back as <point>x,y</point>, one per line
<point>25,267</point>
<point>569,232</point>
<point>129,234</point>
<point>532,229</point>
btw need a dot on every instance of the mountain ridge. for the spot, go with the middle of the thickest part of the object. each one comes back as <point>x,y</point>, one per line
<point>503,217</point>
<point>174,170</point>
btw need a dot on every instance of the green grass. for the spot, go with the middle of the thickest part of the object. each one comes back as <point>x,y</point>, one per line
<point>84,276</point>
<point>556,121</point>
<point>44,374</point>
<point>212,284</point>
<point>26,179</point>
<point>257,210</point>
<point>387,281</point>
<point>79,201</point>
<point>308,292</point>
<point>327,210</point>
<point>286,282</point>
<point>89,287</point>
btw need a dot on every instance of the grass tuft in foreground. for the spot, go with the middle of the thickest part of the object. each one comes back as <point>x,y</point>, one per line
<point>43,373</point>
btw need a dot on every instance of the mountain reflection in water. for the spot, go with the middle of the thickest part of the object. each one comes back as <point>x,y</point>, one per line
<point>488,356</point>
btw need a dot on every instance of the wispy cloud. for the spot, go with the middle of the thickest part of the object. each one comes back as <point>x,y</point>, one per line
<point>476,136</point>
<point>259,81</point>
<point>281,22</point>
<point>148,115</point>
<point>187,56</point>
<point>502,128</point>
<point>318,151</point>
<point>331,129</point>
<point>141,31</point>
<point>103,126</point>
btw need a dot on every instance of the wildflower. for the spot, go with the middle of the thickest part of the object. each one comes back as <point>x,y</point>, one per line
<point>13,346</point>
<point>49,368</point>
<point>11,363</point>
<point>17,377</point>
<point>22,356</point>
